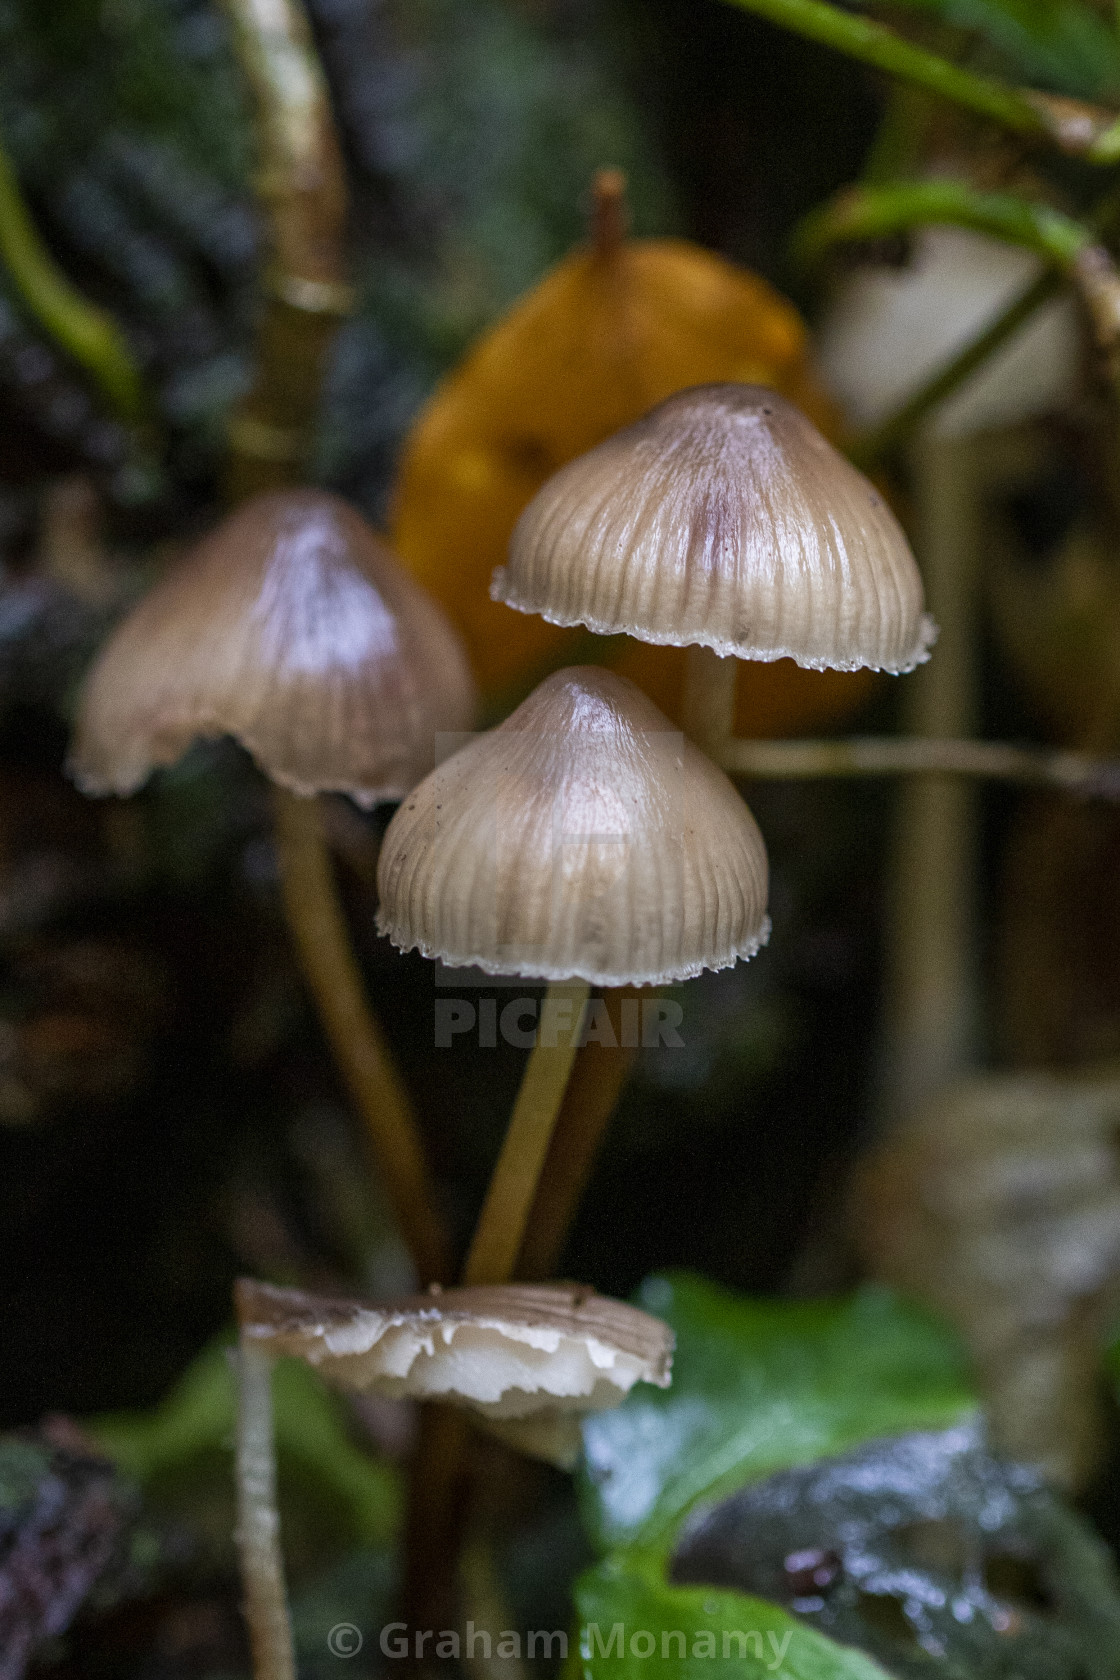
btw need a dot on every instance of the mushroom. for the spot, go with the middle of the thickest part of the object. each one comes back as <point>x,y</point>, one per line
<point>527,1359</point>
<point>584,842</point>
<point>292,628</point>
<point>616,326</point>
<point>723,520</point>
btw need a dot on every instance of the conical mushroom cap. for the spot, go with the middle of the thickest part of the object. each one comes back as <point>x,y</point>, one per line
<point>292,628</point>
<point>723,518</point>
<point>524,1357</point>
<point>582,838</point>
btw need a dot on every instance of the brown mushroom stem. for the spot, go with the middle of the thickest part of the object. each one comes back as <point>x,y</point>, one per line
<point>500,1231</point>
<point>708,701</point>
<point>302,184</point>
<point>317,922</point>
<point>1078,773</point>
<point>258,1520</point>
<point>598,1076</point>
<point>438,1488</point>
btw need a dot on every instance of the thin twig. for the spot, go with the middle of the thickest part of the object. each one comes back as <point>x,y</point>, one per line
<point>899,755</point>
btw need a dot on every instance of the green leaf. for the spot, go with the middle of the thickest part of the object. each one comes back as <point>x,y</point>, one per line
<point>723,1635</point>
<point>758,1385</point>
<point>1061,45</point>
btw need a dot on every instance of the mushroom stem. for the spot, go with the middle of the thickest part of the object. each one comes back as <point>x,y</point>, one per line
<point>258,1520</point>
<point>708,701</point>
<point>598,1076</point>
<point>317,922</point>
<point>500,1231</point>
<point>1078,773</point>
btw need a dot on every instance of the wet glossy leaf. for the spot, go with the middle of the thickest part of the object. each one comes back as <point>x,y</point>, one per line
<point>920,1546</point>
<point>758,1385</point>
<point>696,1633</point>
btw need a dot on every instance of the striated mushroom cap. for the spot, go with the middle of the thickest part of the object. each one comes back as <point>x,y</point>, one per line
<point>583,838</point>
<point>527,1358</point>
<point>723,518</point>
<point>292,628</point>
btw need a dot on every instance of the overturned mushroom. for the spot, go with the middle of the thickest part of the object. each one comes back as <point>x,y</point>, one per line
<point>526,1359</point>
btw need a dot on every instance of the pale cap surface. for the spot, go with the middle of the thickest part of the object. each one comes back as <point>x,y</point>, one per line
<point>292,628</point>
<point>725,519</point>
<point>584,838</point>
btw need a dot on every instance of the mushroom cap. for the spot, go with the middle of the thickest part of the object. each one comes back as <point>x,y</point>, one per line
<point>723,518</point>
<point>519,1355</point>
<point>293,628</point>
<point>591,348</point>
<point>583,838</point>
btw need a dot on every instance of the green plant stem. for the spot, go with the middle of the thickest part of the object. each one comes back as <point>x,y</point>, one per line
<point>874,212</point>
<point>1083,130</point>
<point>500,1231</point>
<point>1075,773</point>
<point>258,1520</point>
<point>317,922</point>
<point>86,333</point>
<point>872,445</point>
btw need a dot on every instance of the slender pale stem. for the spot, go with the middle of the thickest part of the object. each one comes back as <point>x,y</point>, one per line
<point>931,982</point>
<point>258,1520</point>
<point>910,755</point>
<point>317,921</point>
<point>501,1226</point>
<point>596,1083</point>
<point>708,702</point>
